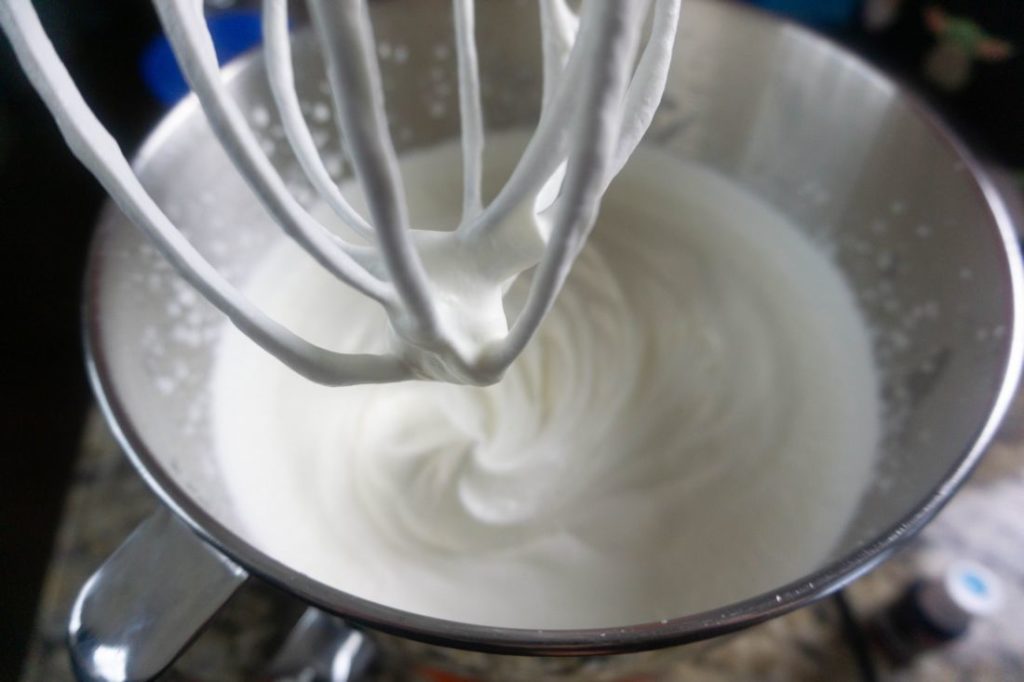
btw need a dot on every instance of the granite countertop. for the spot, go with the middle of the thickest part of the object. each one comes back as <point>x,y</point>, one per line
<point>983,523</point>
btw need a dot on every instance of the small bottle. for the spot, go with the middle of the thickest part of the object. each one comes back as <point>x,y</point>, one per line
<point>934,611</point>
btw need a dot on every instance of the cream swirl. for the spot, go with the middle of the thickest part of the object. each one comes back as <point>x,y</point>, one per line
<point>699,407</point>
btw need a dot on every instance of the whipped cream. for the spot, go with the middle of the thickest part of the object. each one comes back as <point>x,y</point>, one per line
<point>442,292</point>
<point>694,422</point>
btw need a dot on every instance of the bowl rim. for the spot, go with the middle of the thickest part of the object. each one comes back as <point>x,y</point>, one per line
<point>560,642</point>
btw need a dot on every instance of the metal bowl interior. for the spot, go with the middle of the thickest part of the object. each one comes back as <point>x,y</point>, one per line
<point>834,145</point>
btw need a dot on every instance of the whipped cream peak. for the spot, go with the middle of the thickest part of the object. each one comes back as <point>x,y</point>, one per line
<point>695,421</point>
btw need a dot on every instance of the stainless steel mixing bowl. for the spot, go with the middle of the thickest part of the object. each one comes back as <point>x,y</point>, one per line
<point>833,144</point>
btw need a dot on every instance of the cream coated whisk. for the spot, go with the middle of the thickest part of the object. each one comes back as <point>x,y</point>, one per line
<point>604,74</point>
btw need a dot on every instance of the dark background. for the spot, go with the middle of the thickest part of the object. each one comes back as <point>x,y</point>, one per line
<point>48,204</point>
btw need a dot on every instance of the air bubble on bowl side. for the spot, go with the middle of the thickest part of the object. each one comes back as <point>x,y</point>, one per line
<point>899,340</point>
<point>259,117</point>
<point>320,112</point>
<point>185,323</point>
<point>334,165</point>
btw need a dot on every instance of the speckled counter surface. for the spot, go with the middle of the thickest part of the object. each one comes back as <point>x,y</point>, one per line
<point>985,522</point>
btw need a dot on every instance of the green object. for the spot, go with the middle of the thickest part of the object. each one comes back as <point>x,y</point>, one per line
<point>965,33</point>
